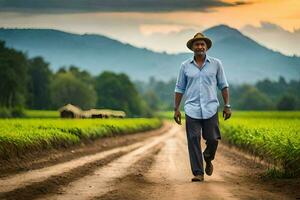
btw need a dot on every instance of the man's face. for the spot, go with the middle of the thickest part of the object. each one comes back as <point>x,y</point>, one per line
<point>199,47</point>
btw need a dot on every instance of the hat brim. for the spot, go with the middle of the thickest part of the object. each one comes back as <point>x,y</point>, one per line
<point>208,42</point>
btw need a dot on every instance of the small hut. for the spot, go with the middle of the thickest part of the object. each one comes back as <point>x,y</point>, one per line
<point>105,113</point>
<point>96,113</point>
<point>118,113</point>
<point>86,114</point>
<point>70,111</point>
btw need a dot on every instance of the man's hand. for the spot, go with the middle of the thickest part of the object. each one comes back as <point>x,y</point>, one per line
<point>226,113</point>
<point>177,117</point>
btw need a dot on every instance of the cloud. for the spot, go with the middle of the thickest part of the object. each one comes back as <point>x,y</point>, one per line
<point>269,27</point>
<point>173,41</point>
<point>266,26</point>
<point>150,29</point>
<point>61,6</point>
<point>275,37</point>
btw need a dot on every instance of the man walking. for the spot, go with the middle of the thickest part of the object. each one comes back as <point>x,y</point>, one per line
<point>198,79</point>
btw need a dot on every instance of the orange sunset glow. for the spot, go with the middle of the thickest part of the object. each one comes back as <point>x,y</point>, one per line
<point>138,27</point>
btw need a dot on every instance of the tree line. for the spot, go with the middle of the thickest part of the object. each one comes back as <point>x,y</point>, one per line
<point>263,95</point>
<point>28,83</point>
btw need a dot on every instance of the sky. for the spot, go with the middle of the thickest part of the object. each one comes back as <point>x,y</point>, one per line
<point>161,25</point>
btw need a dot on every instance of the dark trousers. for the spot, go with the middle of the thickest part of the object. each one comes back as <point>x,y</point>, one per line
<point>209,129</point>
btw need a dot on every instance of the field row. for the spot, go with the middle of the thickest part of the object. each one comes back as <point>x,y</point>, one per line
<point>273,136</point>
<point>18,136</point>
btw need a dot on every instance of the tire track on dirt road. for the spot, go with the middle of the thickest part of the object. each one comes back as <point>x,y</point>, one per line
<point>159,168</point>
<point>169,177</point>
<point>99,182</point>
<point>49,179</point>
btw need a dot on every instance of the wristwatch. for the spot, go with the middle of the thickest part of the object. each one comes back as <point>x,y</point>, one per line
<point>227,106</point>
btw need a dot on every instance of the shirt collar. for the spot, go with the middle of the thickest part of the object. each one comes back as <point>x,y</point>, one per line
<point>207,59</point>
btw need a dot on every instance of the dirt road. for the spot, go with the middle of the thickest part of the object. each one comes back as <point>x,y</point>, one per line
<point>154,167</point>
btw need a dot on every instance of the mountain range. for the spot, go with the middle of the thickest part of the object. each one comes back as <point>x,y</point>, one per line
<point>244,59</point>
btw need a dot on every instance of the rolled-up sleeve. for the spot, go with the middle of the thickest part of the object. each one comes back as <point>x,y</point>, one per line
<point>221,77</point>
<point>181,81</point>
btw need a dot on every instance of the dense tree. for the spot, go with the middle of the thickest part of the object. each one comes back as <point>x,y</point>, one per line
<point>116,91</point>
<point>287,102</point>
<point>152,99</point>
<point>263,95</point>
<point>66,88</point>
<point>13,76</point>
<point>83,75</point>
<point>252,99</point>
<point>39,84</point>
<point>272,89</point>
<point>162,91</point>
<point>31,81</point>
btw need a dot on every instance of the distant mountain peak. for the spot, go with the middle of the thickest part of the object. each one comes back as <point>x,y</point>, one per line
<point>244,59</point>
<point>223,28</point>
<point>222,31</point>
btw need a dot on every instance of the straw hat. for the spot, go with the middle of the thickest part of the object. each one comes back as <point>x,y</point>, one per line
<point>199,36</point>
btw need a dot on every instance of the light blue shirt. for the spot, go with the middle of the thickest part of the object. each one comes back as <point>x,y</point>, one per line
<point>199,85</point>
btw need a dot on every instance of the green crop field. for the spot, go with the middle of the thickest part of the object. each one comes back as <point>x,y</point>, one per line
<point>41,114</point>
<point>18,136</point>
<point>273,136</point>
<point>168,114</point>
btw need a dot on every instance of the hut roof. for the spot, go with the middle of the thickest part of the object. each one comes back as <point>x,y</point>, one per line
<point>89,113</point>
<point>107,112</point>
<point>70,107</point>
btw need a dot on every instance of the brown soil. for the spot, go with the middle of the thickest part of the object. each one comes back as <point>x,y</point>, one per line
<point>235,177</point>
<point>151,166</point>
<point>44,158</point>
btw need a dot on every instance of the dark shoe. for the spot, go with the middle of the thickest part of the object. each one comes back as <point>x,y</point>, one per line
<point>198,178</point>
<point>209,168</point>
